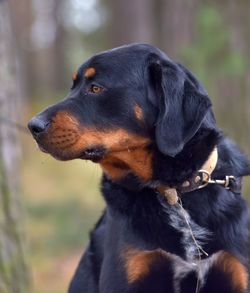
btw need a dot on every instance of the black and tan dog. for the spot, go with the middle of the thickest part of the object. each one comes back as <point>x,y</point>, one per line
<point>175,219</point>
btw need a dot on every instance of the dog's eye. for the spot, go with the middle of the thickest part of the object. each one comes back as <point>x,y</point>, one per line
<point>95,88</point>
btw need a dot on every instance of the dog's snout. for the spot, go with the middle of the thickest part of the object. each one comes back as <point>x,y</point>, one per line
<point>37,126</point>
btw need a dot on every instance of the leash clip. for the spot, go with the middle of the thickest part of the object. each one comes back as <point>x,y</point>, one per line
<point>206,179</point>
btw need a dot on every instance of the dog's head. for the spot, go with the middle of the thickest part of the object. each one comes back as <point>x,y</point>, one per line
<point>123,103</point>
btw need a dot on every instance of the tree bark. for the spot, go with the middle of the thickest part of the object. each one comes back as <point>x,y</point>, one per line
<point>14,276</point>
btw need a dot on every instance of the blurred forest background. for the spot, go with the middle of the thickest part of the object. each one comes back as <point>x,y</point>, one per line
<point>47,207</point>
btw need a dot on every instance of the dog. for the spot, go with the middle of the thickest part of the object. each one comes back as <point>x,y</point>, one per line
<point>175,219</point>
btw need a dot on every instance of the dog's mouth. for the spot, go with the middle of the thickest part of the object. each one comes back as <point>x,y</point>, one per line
<point>118,155</point>
<point>95,154</point>
<point>109,148</point>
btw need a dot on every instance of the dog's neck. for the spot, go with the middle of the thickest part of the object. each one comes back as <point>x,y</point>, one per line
<point>147,166</point>
<point>193,183</point>
<point>148,212</point>
<point>137,161</point>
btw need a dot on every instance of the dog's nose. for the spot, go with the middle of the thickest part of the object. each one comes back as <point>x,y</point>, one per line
<point>37,126</point>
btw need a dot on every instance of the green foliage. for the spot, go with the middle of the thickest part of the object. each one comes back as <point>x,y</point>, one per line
<point>211,55</point>
<point>222,70</point>
<point>69,223</point>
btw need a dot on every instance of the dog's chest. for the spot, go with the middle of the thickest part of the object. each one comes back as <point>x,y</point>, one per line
<point>193,237</point>
<point>147,267</point>
<point>157,269</point>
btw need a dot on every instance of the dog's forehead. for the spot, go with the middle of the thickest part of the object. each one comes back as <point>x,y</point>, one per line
<point>115,62</point>
<point>119,60</point>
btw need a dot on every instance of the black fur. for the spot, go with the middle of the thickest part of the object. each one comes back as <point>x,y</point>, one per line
<point>179,121</point>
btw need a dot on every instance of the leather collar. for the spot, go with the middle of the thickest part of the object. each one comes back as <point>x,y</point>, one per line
<point>200,179</point>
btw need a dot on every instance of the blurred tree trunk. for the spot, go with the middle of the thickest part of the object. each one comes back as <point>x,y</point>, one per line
<point>176,25</point>
<point>238,20</point>
<point>21,19</point>
<point>132,21</point>
<point>49,60</point>
<point>58,52</point>
<point>14,276</point>
<point>164,23</point>
<point>33,23</point>
<point>234,93</point>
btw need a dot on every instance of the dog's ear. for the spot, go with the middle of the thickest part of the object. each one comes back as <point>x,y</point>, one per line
<point>182,104</point>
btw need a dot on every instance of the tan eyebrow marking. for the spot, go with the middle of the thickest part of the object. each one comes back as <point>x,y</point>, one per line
<point>90,72</point>
<point>75,75</point>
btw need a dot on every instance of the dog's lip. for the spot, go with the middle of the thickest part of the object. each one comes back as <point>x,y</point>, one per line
<point>41,148</point>
<point>95,153</point>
